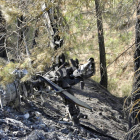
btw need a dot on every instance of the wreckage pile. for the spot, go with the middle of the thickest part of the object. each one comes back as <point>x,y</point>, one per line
<point>58,79</point>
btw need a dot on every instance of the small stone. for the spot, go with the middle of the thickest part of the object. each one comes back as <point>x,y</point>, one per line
<point>37,113</point>
<point>42,125</point>
<point>27,115</point>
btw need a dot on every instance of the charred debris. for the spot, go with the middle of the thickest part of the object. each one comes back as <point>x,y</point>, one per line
<point>59,79</point>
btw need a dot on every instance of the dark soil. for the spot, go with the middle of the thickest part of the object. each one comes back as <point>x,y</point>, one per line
<point>48,122</point>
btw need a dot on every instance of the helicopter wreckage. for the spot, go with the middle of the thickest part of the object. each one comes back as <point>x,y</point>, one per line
<point>59,79</point>
<point>55,81</point>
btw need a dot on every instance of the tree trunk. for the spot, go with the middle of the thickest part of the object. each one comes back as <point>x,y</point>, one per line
<point>2,36</point>
<point>134,114</point>
<point>136,85</point>
<point>103,70</point>
<point>20,35</point>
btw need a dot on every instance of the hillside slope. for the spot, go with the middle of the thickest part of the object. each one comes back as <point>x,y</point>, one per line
<point>107,116</point>
<point>35,122</point>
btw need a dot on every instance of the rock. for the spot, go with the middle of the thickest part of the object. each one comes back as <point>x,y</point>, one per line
<point>27,115</point>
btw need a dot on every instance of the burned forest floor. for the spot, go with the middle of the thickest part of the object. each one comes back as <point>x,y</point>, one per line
<point>48,122</point>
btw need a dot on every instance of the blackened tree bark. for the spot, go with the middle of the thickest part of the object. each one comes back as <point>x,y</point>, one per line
<point>136,85</point>
<point>2,36</point>
<point>103,69</point>
<point>35,35</point>
<point>134,114</point>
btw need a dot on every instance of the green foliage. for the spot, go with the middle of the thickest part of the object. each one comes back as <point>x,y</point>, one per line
<point>41,58</point>
<point>113,85</point>
<point>118,13</point>
<point>119,89</point>
<point>96,78</point>
<point>126,37</point>
<point>6,75</point>
<point>126,89</point>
